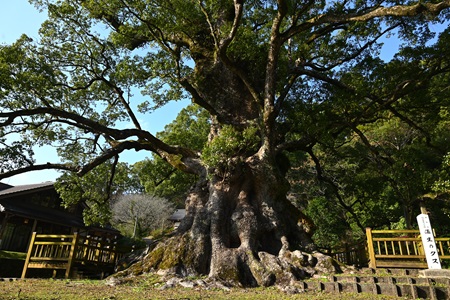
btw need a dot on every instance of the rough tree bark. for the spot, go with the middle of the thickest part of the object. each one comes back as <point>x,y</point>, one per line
<point>242,230</point>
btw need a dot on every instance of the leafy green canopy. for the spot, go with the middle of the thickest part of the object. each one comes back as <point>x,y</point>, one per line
<point>189,129</point>
<point>380,172</point>
<point>273,76</point>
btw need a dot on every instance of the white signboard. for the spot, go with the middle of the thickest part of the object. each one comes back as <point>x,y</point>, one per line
<point>429,245</point>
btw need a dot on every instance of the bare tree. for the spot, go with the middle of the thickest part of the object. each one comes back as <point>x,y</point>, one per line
<point>138,214</point>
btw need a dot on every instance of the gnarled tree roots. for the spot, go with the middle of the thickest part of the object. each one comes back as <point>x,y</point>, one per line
<point>182,256</point>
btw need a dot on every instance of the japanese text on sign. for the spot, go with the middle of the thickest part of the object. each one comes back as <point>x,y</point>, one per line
<point>429,245</point>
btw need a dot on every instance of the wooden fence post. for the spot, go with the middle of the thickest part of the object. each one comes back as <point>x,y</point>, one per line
<point>30,249</point>
<point>370,249</point>
<point>72,254</point>
<point>348,255</point>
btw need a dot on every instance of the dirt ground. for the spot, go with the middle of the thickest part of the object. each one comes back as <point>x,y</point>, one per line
<point>146,288</point>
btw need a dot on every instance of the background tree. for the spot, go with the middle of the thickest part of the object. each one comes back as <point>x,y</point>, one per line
<point>136,215</point>
<point>380,173</point>
<point>111,180</point>
<point>190,129</point>
<point>276,78</point>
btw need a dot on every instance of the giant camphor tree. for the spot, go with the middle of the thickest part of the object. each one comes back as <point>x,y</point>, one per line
<point>275,77</point>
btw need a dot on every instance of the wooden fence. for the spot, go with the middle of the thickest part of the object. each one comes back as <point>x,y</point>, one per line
<point>65,252</point>
<point>355,255</point>
<point>400,249</point>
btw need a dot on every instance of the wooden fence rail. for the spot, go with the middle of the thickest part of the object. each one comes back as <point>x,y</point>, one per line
<point>350,254</point>
<point>64,251</point>
<point>400,248</point>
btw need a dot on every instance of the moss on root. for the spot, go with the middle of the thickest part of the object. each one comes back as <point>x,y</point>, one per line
<point>185,256</point>
<point>172,255</point>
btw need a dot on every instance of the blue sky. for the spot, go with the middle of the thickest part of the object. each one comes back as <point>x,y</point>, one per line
<point>17,17</point>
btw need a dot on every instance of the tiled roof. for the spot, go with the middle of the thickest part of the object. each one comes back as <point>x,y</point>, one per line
<point>41,213</point>
<point>178,215</point>
<point>5,186</point>
<point>10,203</point>
<point>23,188</point>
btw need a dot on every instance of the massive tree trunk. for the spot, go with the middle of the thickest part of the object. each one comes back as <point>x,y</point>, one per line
<point>242,230</point>
<point>239,228</point>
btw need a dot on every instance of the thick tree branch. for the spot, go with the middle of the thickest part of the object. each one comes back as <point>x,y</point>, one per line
<point>189,165</point>
<point>47,166</point>
<point>145,139</point>
<point>412,124</point>
<point>322,177</point>
<point>223,47</point>
<point>275,43</point>
<point>111,177</point>
<point>210,24</point>
<point>196,97</point>
<point>402,11</point>
<point>350,56</point>
<point>302,144</point>
<point>430,9</point>
<point>238,9</point>
<point>369,146</point>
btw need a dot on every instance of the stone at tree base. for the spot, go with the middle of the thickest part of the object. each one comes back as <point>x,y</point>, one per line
<point>435,273</point>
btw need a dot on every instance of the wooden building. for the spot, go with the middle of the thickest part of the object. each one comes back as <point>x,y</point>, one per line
<point>37,208</point>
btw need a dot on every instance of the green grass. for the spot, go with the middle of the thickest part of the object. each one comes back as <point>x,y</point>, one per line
<point>12,255</point>
<point>148,288</point>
